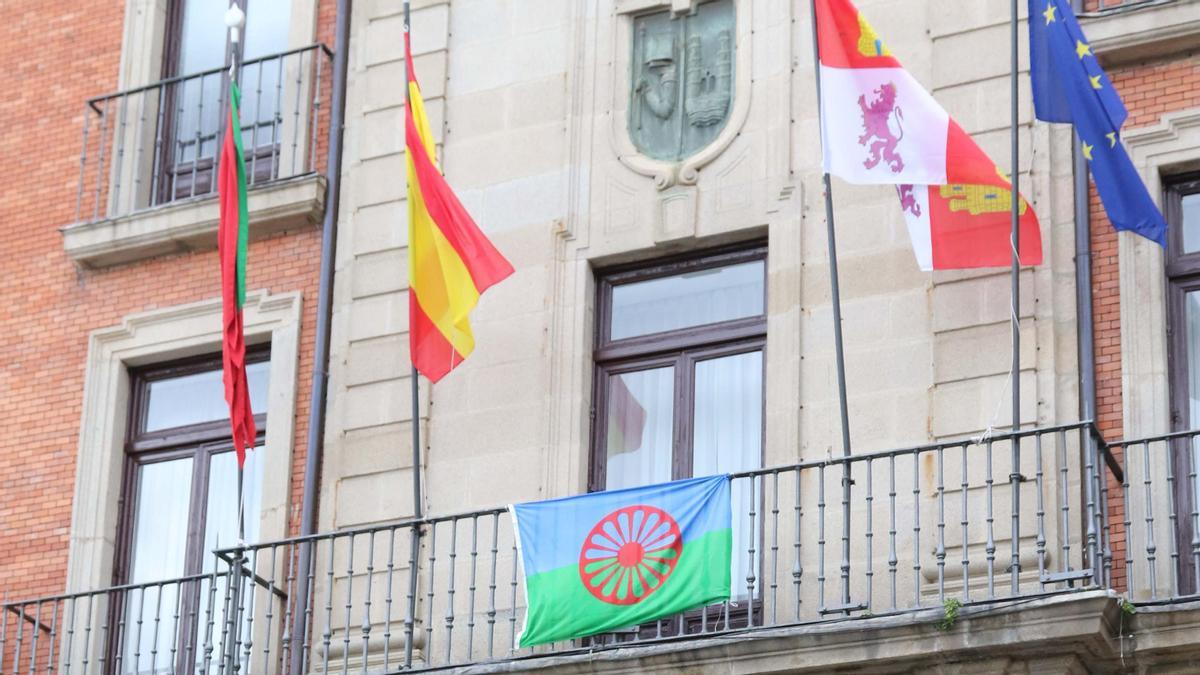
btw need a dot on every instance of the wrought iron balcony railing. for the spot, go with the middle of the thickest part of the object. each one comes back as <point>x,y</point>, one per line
<point>159,143</point>
<point>1009,517</point>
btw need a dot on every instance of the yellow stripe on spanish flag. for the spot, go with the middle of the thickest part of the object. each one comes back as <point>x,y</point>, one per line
<point>451,262</point>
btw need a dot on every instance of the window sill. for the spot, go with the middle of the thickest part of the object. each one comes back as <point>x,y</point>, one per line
<point>191,225</point>
<point>1152,31</point>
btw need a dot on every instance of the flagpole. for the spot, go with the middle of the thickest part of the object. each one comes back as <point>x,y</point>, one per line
<point>415,381</point>
<point>415,411</point>
<point>839,353</point>
<point>235,19</point>
<point>1015,301</point>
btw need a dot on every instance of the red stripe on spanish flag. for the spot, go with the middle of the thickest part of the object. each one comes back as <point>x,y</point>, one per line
<point>451,262</point>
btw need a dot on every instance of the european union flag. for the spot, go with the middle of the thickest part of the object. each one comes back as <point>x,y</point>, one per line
<point>1070,86</point>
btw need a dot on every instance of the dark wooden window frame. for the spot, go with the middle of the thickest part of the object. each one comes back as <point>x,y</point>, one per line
<point>198,441</point>
<point>682,349</point>
<point>180,180</point>
<point>1183,276</point>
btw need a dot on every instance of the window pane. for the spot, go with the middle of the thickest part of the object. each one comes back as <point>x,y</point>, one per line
<point>691,299</point>
<point>267,24</point>
<point>640,431</point>
<point>221,505</point>
<point>221,523</point>
<point>160,522</point>
<point>200,397</point>
<point>1192,312</point>
<point>159,546</point>
<point>727,437</point>
<point>203,38</point>
<point>1191,223</point>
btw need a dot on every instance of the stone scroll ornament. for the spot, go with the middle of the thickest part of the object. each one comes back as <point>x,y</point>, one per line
<point>681,89</point>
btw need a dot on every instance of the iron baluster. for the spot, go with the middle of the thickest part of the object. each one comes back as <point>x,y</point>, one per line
<point>100,160</point>
<point>750,577</point>
<point>327,633</point>
<point>940,553</point>
<point>965,522</point>
<point>1089,482</point>
<point>491,612</point>
<point>366,622</point>
<point>1015,532</point>
<point>916,492</point>
<point>893,559</point>
<point>156,164</point>
<point>429,597</point>
<point>1195,492</point>
<point>1065,508</point>
<point>797,567</point>
<point>349,600</point>
<point>119,157</point>
<point>1041,509</point>
<point>1150,547</point>
<point>450,590</point>
<point>387,601</point>
<point>990,547</point>
<point>1172,519</point>
<point>774,548</point>
<point>83,153</point>
<point>820,539</point>
<point>870,572</point>
<point>471,586</point>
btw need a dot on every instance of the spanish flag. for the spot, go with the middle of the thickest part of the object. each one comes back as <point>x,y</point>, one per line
<point>450,261</point>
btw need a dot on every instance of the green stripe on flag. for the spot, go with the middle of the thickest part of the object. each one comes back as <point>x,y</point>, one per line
<point>235,128</point>
<point>561,607</point>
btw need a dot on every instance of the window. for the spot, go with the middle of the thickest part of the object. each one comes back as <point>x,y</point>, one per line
<point>197,51</point>
<point>179,499</point>
<point>679,375</point>
<point>1183,312</point>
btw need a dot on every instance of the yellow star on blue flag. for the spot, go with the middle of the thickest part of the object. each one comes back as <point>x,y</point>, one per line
<point>1070,88</point>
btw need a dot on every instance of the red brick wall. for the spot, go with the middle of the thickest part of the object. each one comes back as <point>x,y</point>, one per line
<point>1149,90</point>
<point>57,53</point>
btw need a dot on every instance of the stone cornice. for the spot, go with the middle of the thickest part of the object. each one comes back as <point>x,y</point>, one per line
<point>1146,33</point>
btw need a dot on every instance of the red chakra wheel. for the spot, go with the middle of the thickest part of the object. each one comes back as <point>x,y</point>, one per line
<point>629,554</point>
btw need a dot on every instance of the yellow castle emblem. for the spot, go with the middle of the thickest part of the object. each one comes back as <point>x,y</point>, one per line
<point>979,199</point>
<point>869,43</point>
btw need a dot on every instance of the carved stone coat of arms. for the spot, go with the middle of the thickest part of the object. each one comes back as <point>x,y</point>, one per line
<point>681,84</point>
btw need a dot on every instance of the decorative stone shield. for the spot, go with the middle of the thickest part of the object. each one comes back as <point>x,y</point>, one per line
<point>681,84</point>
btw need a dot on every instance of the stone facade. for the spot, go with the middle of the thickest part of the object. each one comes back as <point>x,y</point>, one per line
<point>529,102</point>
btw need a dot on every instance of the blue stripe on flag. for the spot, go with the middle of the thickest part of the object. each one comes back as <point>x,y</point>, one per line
<point>552,532</point>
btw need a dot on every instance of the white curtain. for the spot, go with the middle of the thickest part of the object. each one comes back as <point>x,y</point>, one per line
<point>728,438</point>
<point>641,415</point>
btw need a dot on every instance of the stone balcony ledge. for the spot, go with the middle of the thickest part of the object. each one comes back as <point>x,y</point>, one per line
<point>1069,633</point>
<point>191,224</point>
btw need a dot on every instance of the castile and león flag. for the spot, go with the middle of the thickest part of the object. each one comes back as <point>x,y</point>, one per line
<point>880,126</point>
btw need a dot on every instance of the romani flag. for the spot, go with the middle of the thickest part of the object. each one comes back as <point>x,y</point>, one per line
<point>451,262</point>
<point>232,234</point>
<point>879,125</point>
<point>609,560</point>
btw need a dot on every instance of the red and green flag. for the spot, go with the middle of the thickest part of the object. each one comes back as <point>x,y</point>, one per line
<point>607,560</point>
<point>232,236</point>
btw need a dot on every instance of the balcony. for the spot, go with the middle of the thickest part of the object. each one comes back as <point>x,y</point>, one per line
<point>148,158</point>
<point>942,547</point>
